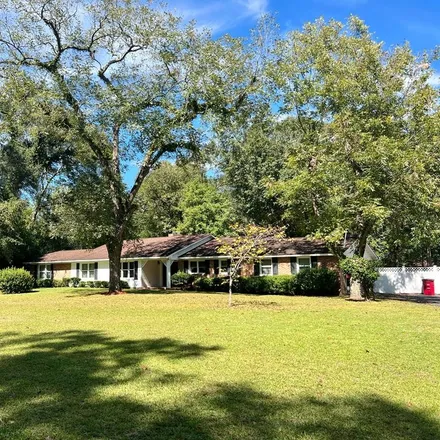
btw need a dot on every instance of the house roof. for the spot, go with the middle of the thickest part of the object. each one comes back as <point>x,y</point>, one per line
<point>286,246</point>
<point>145,247</point>
<point>159,247</point>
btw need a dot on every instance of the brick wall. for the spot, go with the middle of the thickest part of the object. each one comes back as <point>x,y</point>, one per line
<point>61,270</point>
<point>284,266</point>
<point>328,262</point>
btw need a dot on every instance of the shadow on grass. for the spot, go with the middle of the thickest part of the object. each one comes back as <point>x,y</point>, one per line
<point>61,386</point>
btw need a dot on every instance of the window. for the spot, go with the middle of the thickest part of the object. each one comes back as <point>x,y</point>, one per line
<point>223,267</point>
<point>304,263</point>
<point>129,269</point>
<point>197,266</point>
<point>88,271</point>
<point>45,272</point>
<point>266,266</point>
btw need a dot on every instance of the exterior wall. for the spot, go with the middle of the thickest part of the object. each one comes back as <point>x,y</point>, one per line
<point>151,272</point>
<point>61,270</point>
<point>329,262</point>
<point>103,270</point>
<point>284,266</point>
<point>247,270</point>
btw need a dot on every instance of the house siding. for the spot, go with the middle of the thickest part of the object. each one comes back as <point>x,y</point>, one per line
<point>330,262</point>
<point>61,270</point>
<point>284,266</point>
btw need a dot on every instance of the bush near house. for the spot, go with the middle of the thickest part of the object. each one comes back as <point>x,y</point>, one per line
<point>42,283</point>
<point>13,280</point>
<point>182,280</point>
<point>318,281</point>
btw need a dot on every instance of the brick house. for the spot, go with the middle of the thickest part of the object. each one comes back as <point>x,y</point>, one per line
<point>151,262</point>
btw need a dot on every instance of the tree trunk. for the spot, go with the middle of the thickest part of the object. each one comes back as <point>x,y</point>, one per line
<point>356,291</point>
<point>230,292</point>
<point>114,255</point>
<point>342,283</point>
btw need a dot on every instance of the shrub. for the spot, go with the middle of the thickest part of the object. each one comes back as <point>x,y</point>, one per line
<point>65,282</point>
<point>273,285</point>
<point>90,284</point>
<point>82,284</point>
<point>182,280</point>
<point>220,284</point>
<point>47,282</point>
<point>317,281</point>
<point>124,284</point>
<point>58,283</point>
<point>104,284</point>
<point>98,284</point>
<point>14,280</point>
<point>74,282</point>
<point>204,284</point>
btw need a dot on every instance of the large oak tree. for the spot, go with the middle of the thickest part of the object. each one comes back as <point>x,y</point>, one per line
<point>137,85</point>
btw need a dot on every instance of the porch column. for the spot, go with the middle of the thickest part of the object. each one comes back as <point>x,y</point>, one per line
<point>168,264</point>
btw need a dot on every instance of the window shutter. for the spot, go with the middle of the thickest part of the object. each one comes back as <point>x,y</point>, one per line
<point>216,267</point>
<point>274,266</point>
<point>292,265</point>
<point>185,266</point>
<point>256,269</point>
<point>77,270</point>
<point>51,271</point>
<point>136,267</point>
<point>96,270</point>
<point>228,265</point>
<point>207,266</point>
<point>314,261</point>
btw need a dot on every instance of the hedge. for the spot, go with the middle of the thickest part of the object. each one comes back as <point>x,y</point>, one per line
<point>317,281</point>
<point>13,280</point>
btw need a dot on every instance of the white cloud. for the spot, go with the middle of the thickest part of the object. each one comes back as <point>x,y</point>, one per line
<point>434,80</point>
<point>254,8</point>
<point>219,15</point>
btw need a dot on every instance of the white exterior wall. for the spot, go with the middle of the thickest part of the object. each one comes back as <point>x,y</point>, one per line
<point>151,273</point>
<point>406,279</point>
<point>103,270</point>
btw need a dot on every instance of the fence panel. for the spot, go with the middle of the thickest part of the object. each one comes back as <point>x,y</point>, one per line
<point>406,279</point>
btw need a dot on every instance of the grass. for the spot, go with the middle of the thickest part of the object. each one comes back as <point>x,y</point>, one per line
<point>77,365</point>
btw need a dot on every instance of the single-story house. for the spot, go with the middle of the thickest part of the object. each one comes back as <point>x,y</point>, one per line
<point>150,262</point>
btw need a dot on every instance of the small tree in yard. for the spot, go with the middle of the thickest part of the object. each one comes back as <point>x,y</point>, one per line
<point>248,245</point>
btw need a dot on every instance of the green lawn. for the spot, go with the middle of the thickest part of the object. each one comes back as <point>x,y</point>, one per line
<point>78,365</point>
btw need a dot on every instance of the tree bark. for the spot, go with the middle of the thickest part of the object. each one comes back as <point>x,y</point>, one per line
<point>356,291</point>
<point>114,256</point>
<point>230,292</point>
<point>342,283</point>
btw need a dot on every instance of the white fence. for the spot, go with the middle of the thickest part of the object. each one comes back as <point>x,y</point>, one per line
<point>406,279</point>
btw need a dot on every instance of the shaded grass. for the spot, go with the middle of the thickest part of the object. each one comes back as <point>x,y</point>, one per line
<point>77,365</point>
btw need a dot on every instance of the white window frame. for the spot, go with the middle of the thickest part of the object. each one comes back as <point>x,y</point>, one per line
<point>197,263</point>
<point>89,271</point>
<point>45,271</point>
<point>220,271</point>
<point>130,269</point>
<point>261,267</point>
<point>302,267</point>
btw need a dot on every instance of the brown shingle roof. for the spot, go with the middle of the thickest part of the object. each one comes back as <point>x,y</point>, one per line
<point>144,247</point>
<point>286,246</point>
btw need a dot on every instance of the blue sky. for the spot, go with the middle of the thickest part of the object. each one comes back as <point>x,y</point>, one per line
<point>391,21</point>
